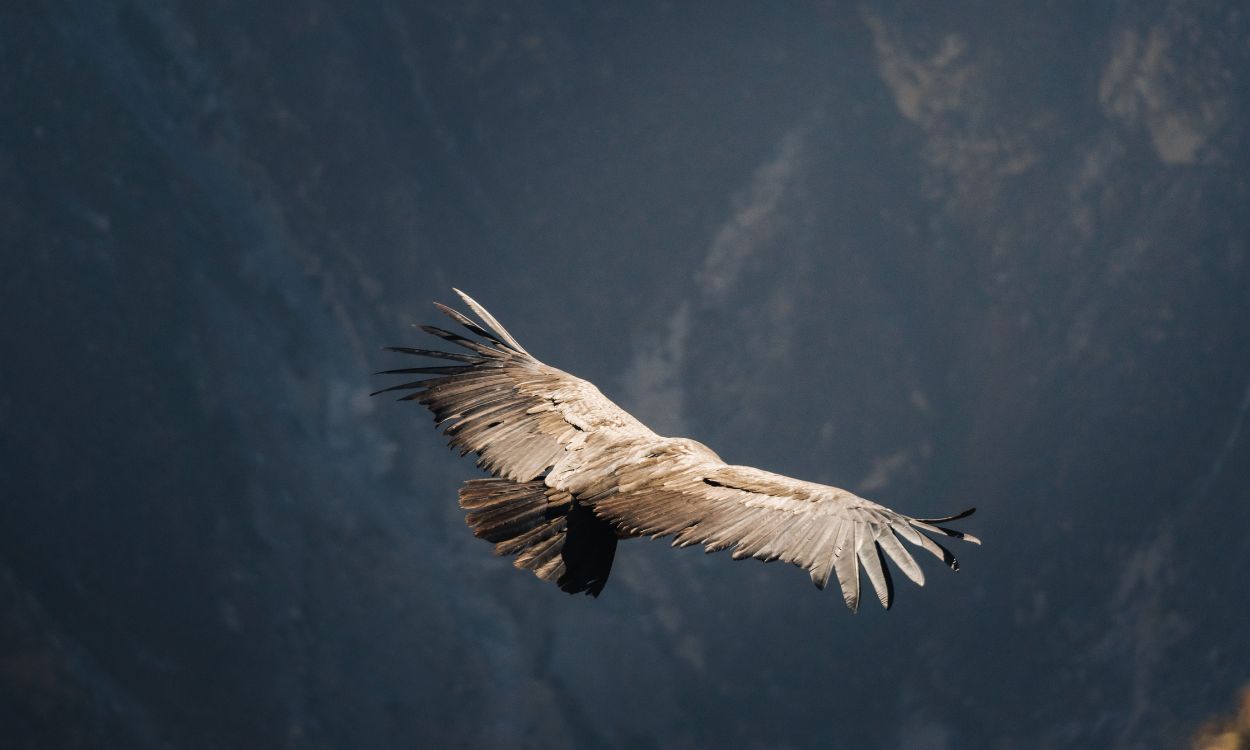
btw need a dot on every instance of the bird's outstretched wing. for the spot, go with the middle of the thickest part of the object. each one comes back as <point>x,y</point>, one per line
<point>527,421</point>
<point>822,529</point>
<point>520,416</point>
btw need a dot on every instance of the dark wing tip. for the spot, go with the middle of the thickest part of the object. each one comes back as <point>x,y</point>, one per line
<point>947,519</point>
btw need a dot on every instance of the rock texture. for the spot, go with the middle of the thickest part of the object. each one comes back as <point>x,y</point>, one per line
<point>941,254</point>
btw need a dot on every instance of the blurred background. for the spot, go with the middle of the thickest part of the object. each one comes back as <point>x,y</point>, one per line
<point>968,253</point>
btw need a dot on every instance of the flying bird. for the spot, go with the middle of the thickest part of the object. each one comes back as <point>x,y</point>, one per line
<point>573,473</point>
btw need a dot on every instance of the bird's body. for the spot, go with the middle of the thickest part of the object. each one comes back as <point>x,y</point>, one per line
<point>573,472</point>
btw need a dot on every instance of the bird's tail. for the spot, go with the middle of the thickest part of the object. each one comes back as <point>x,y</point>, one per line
<point>548,531</point>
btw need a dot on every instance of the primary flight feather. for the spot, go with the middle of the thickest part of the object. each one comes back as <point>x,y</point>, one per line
<point>573,472</point>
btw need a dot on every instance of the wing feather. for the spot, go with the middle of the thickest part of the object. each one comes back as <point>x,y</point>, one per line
<point>489,319</point>
<point>870,561</point>
<point>901,557</point>
<point>846,567</point>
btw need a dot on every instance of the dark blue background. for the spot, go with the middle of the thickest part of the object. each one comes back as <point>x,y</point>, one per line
<point>939,254</point>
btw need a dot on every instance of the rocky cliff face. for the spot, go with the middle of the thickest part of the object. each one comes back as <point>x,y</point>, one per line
<point>940,256</point>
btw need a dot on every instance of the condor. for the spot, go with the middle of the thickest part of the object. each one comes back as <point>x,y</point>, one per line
<point>573,473</point>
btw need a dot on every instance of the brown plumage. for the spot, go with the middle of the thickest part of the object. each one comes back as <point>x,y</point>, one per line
<point>573,472</point>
